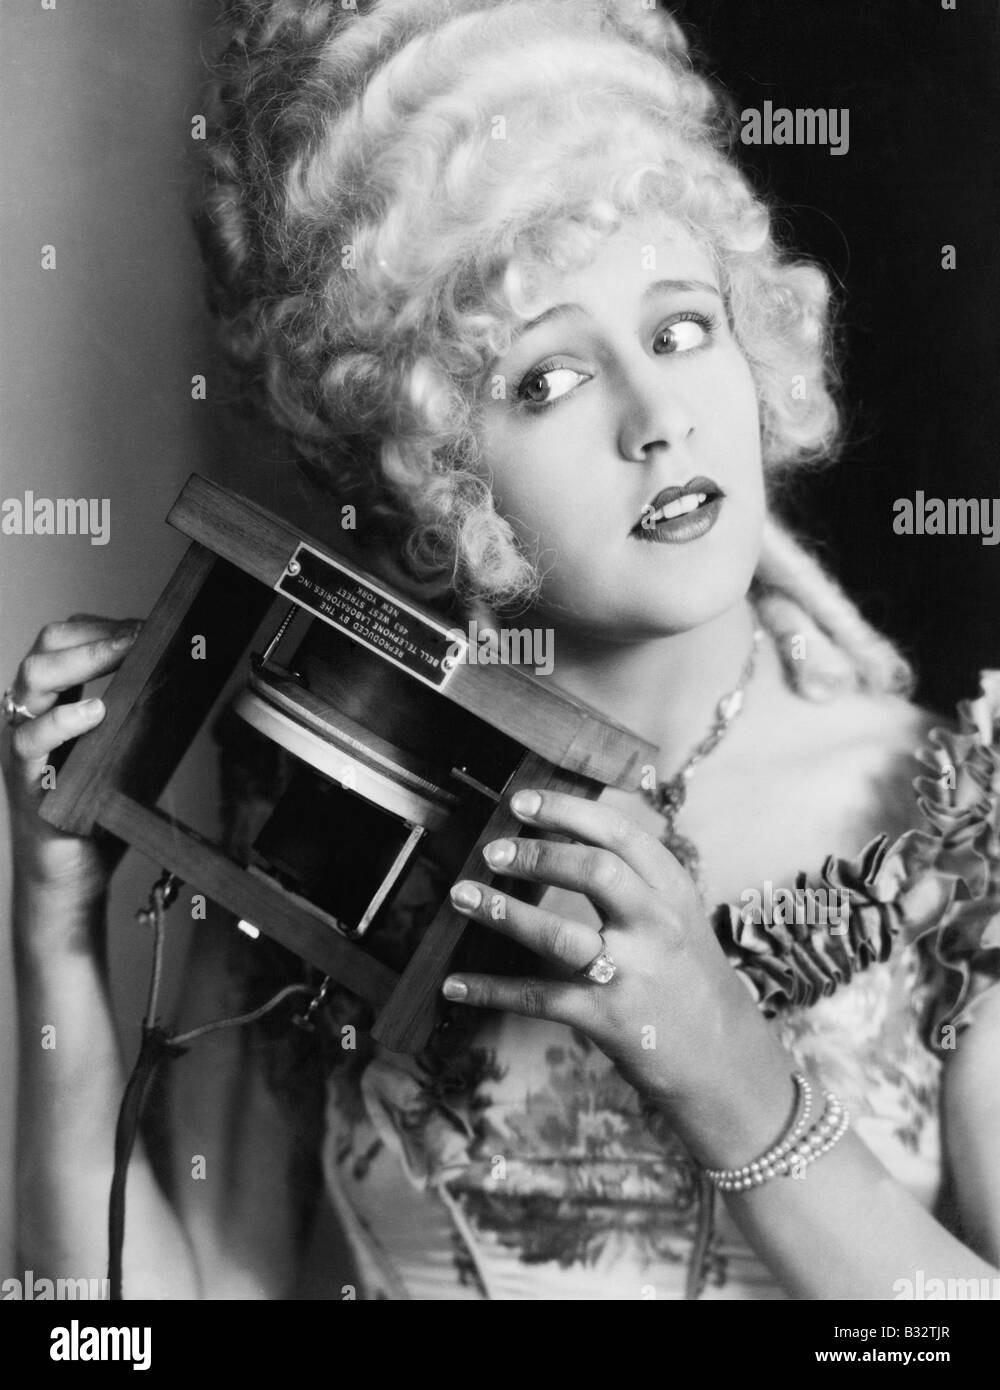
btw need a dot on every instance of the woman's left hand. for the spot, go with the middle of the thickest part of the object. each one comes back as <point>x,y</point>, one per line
<point>675,1019</point>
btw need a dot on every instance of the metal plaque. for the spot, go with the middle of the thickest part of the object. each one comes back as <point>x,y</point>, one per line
<point>372,616</point>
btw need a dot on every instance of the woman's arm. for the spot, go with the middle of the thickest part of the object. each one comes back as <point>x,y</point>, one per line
<point>847,1229</point>
<point>71,1079</point>
<point>71,1075</point>
<point>230,1232</point>
<point>970,1113</point>
<point>682,1029</point>
<point>229,1228</point>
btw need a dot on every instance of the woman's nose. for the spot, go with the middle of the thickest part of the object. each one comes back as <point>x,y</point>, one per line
<point>653,411</point>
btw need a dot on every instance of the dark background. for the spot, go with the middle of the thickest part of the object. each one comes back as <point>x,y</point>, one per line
<point>922,360</point>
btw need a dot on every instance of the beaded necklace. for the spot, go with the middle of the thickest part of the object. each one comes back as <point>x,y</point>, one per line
<point>669,796</point>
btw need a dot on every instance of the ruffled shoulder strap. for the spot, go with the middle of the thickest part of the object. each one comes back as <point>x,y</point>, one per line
<point>936,888</point>
<point>961,801</point>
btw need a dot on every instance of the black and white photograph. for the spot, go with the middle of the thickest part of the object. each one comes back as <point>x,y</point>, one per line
<point>500,653</point>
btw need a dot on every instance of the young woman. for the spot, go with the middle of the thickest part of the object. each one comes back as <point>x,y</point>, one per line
<point>493,269</point>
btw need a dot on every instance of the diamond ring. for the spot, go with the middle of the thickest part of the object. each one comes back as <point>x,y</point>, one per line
<point>602,968</point>
<point>13,712</point>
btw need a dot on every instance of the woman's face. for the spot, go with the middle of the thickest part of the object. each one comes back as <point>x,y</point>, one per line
<point>630,383</point>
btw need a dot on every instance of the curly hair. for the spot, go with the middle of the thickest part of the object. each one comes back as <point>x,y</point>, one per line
<point>380,209</point>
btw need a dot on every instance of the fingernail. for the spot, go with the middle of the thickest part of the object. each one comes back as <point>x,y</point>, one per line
<point>499,852</point>
<point>454,989</point>
<point>526,803</point>
<point>466,895</point>
<point>125,634</point>
<point>90,709</point>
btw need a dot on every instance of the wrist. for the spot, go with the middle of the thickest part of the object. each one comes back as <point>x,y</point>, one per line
<point>53,919</point>
<point>728,1125</point>
<point>802,1143</point>
<point>79,889</point>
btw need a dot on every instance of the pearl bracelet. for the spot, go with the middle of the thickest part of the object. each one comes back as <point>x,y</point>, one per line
<point>795,1150</point>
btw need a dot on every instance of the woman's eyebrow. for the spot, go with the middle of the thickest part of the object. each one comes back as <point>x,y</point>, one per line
<point>656,286</point>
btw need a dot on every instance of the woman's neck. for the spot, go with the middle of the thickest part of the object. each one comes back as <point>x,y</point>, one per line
<point>665,689</point>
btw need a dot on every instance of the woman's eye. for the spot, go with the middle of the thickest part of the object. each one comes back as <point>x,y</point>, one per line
<point>683,335</point>
<point>544,385</point>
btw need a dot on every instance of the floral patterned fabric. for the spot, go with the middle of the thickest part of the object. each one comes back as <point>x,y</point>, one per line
<point>527,1168</point>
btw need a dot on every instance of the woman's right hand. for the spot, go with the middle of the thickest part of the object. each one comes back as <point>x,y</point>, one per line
<point>49,684</point>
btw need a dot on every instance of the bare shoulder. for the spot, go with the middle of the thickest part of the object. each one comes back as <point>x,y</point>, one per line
<point>880,727</point>
<point>860,752</point>
<point>804,779</point>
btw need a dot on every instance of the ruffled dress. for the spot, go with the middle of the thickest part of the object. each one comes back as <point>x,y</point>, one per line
<point>511,1161</point>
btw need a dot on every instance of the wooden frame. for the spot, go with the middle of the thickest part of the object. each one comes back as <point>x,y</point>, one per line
<point>159,698</point>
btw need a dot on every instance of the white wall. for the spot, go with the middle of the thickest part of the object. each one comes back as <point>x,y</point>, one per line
<point>97,355</point>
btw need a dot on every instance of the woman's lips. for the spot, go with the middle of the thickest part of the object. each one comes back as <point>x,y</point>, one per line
<point>679,529</point>
<point>680,514</point>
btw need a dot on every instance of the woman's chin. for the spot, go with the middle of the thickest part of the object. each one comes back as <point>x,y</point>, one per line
<point>641,616</point>
<point>637,607</point>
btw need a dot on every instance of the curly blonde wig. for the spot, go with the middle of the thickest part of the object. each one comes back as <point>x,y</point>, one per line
<point>389,185</point>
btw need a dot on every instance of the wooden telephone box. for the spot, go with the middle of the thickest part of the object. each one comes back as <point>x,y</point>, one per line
<point>396,733</point>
